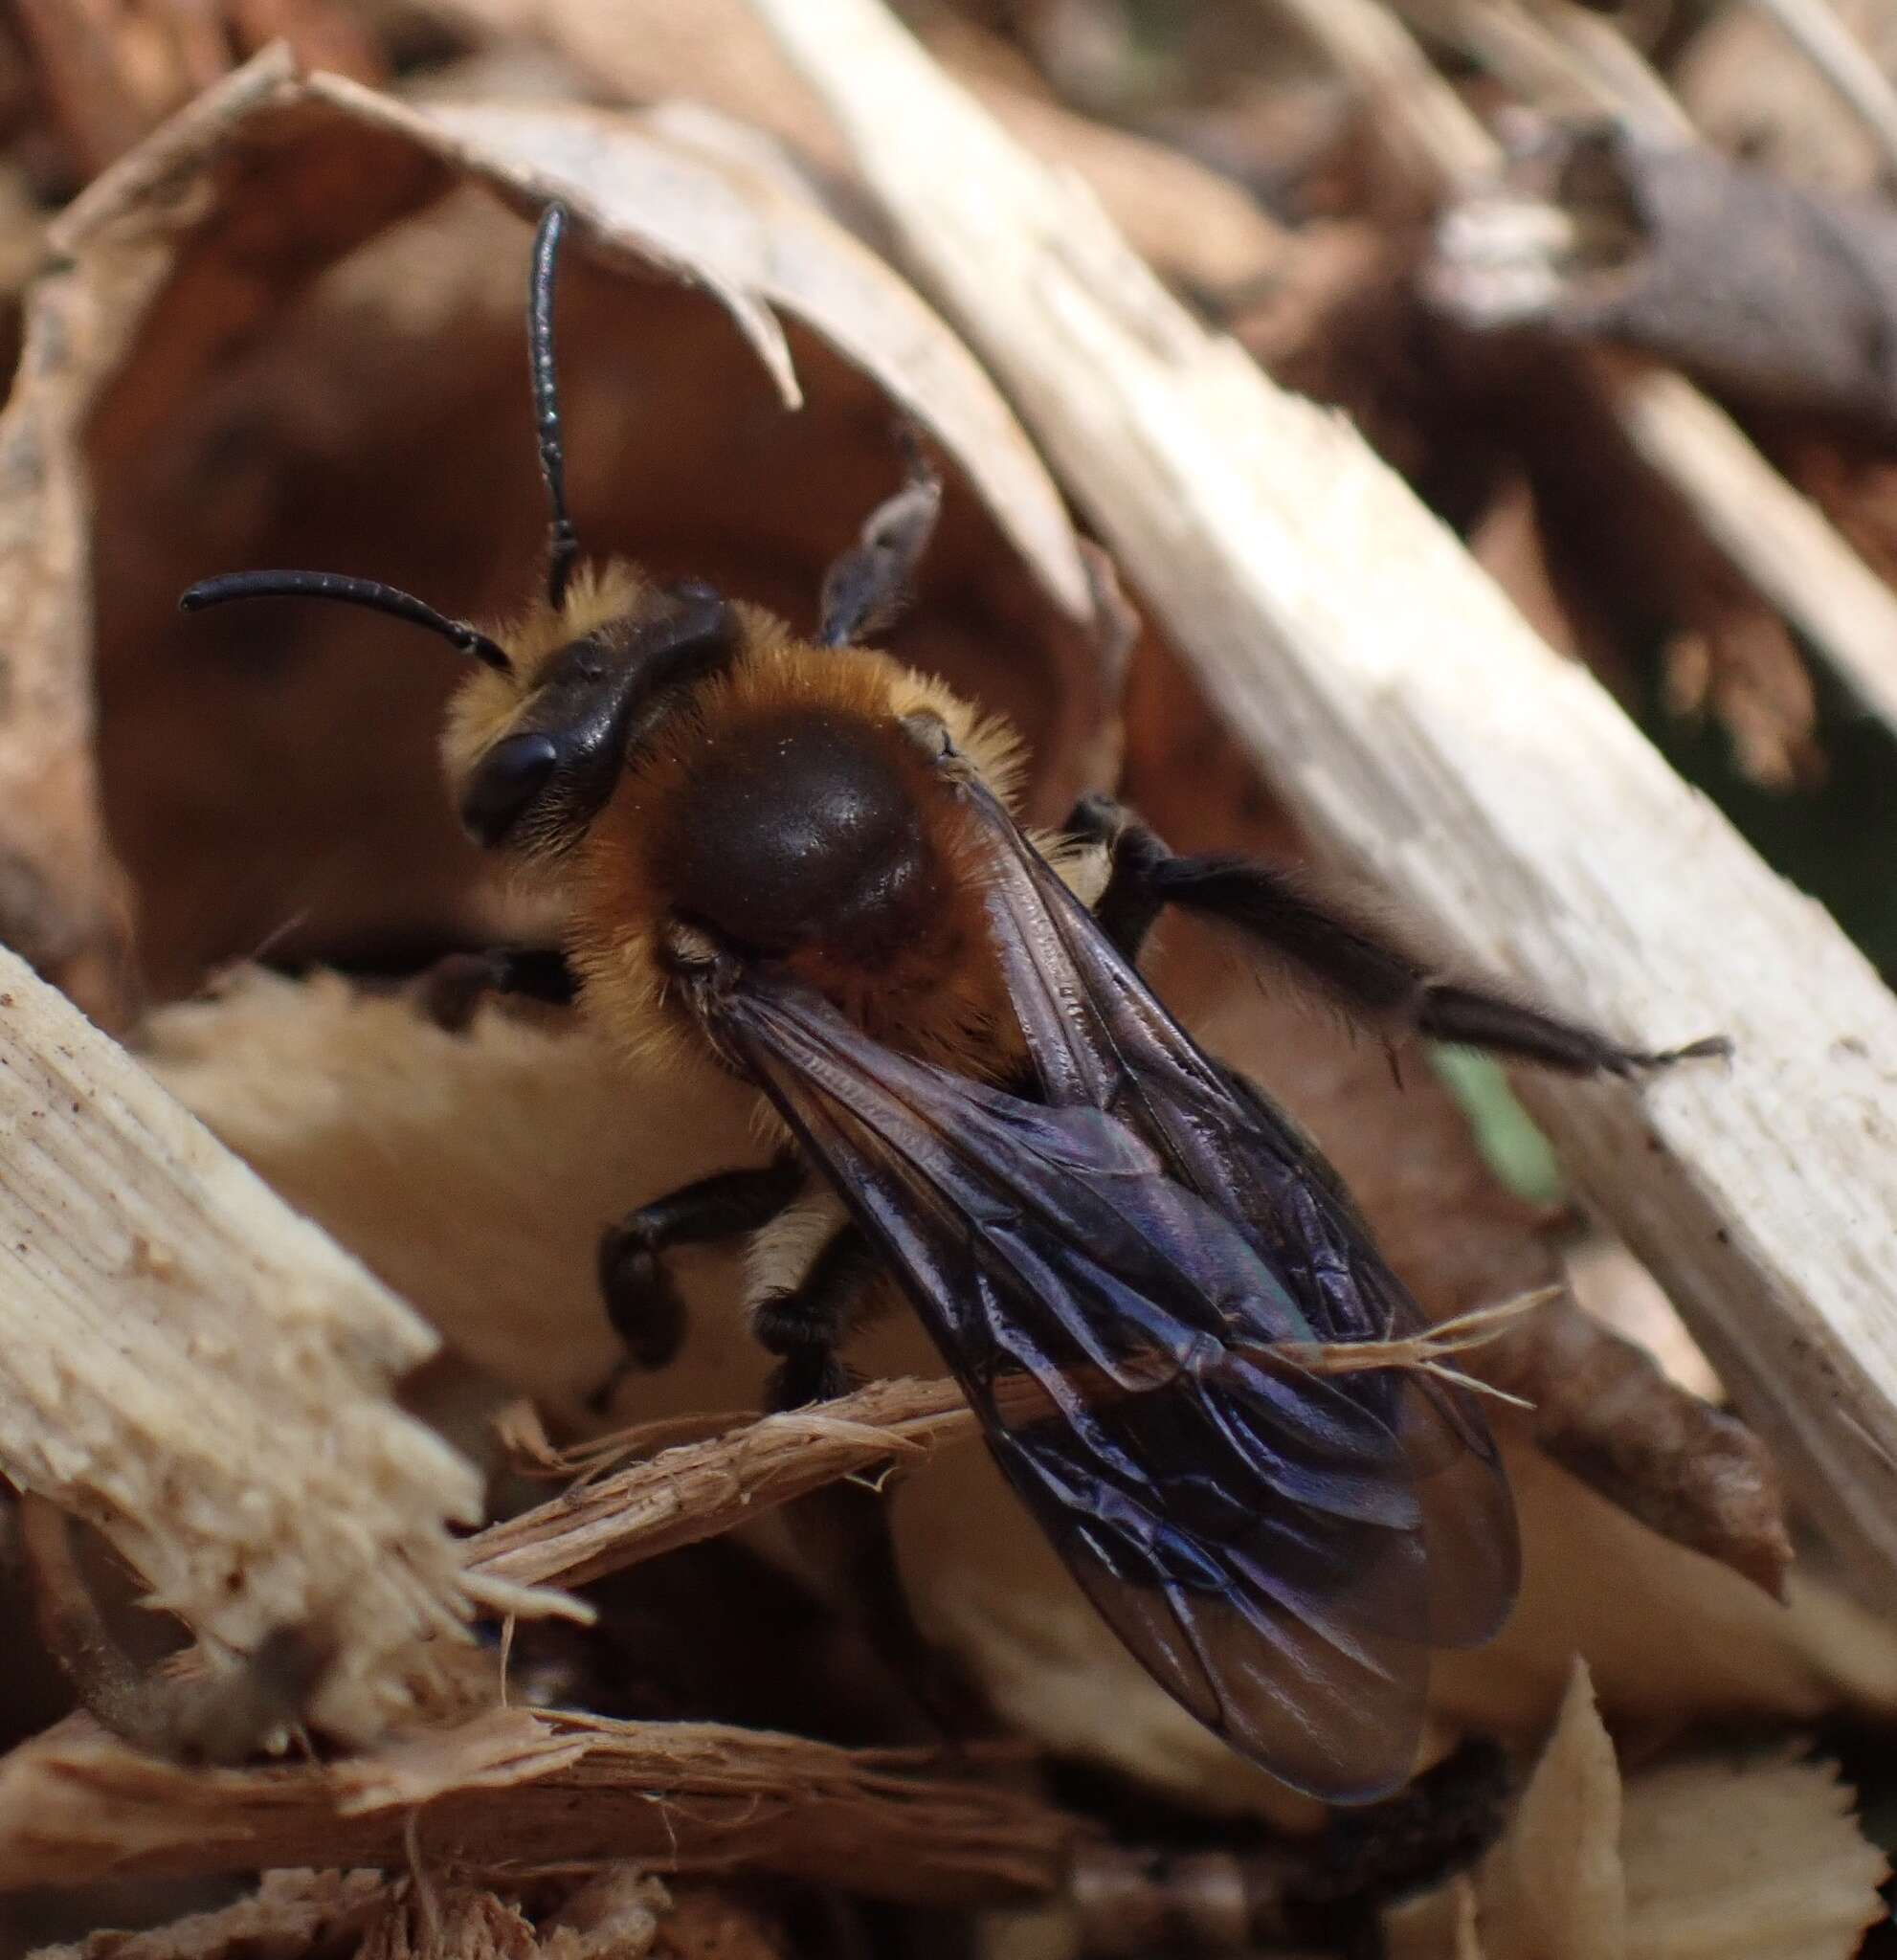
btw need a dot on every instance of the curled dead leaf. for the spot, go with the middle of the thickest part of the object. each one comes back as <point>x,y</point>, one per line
<point>1775,293</point>
<point>1198,226</point>
<point>287,329</point>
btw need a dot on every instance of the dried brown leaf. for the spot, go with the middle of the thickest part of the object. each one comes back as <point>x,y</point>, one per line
<point>300,283</point>
<point>1552,1889</point>
<point>1780,296</point>
<point>512,1791</point>
<point>1603,1410</point>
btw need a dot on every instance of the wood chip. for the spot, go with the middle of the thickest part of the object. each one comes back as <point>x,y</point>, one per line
<point>205,1377</point>
<point>512,1791</point>
<point>1747,1859</point>
<point>290,1913</point>
<point>1552,1889</point>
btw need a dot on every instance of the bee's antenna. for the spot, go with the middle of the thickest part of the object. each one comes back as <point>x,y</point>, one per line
<point>563,541</point>
<point>352,591</point>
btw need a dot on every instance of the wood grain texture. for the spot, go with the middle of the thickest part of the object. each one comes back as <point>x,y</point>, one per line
<point>205,1375</point>
<point>1423,733</point>
<point>514,1790</point>
<point>1780,541</point>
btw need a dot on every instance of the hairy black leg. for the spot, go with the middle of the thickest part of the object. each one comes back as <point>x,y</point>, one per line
<point>804,1327</point>
<point>844,1527</point>
<point>455,987</point>
<point>1355,961</point>
<point>864,587</point>
<point>843,1530</point>
<point>641,1302</point>
<point>1130,902</point>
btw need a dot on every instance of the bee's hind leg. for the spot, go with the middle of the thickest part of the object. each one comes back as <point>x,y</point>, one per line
<point>641,1300</point>
<point>1356,960</point>
<point>844,1530</point>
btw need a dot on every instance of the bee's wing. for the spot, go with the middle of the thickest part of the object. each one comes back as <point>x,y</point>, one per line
<point>1099,1036</point>
<point>1252,1531</point>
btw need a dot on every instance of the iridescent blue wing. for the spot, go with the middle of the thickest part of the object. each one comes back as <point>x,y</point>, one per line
<point>1251,1530</point>
<point>1100,1039</point>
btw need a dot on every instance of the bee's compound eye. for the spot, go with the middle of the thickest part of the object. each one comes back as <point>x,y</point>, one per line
<point>504,784</point>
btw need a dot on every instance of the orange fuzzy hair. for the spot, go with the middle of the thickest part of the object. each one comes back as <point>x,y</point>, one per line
<point>485,701</point>
<point>938,994</point>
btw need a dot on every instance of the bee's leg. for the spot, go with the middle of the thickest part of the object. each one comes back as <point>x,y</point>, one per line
<point>844,1527</point>
<point>805,1324</point>
<point>864,587</point>
<point>1355,962</point>
<point>1130,902</point>
<point>453,986</point>
<point>641,1302</point>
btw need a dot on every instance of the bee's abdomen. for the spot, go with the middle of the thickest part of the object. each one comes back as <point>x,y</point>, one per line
<point>804,829</point>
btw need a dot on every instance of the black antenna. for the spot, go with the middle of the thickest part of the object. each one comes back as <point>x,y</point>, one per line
<point>352,591</point>
<point>563,541</point>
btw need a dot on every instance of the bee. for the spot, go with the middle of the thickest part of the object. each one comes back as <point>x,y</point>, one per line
<point>794,860</point>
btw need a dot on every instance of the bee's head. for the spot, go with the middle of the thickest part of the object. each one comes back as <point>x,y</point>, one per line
<point>533,749</point>
<point>537,735</point>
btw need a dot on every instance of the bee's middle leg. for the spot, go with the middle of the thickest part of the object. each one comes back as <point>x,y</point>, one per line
<point>804,1304</point>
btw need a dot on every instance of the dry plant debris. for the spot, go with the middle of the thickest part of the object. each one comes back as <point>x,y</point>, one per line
<point>284,328</point>
<point>514,1790</point>
<point>1801,317</point>
<point>505,1183</point>
<point>618,1913</point>
<point>1748,1857</point>
<point>203,1375</point>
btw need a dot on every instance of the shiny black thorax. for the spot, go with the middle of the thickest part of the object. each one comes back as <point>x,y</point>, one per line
<point>798,826</point>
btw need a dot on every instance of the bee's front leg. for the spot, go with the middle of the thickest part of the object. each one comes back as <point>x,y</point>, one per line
<point>641,1302</point>
<point>865,588</point>
<point>815,1279</point>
